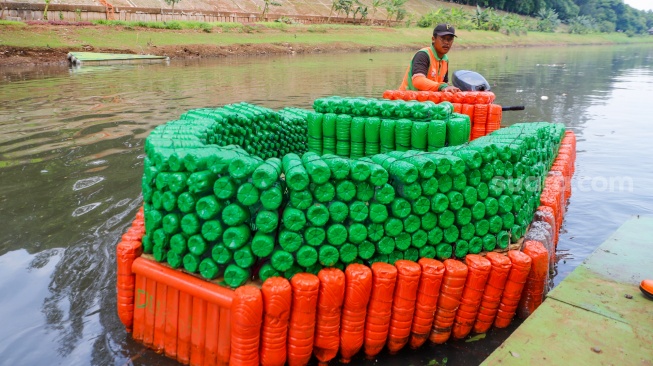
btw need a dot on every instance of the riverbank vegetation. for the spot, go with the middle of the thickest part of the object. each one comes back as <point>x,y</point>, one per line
<point>150,37</point>
<point>577,16</point>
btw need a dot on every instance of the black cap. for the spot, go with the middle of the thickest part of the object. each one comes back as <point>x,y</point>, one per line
<point>443,29</point>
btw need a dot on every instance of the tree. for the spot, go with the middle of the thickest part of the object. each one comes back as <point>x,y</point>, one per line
<point>480,17</point>
<point>266,8</point>
<point>360,9</point>
<point>548,21</point>
<point>582,24</point>
<point>45,11</point>
<point>376,4</point>
<point>341,5</point>
<point>392,7</point>
<point>347,6</point>
<point>172,3</point>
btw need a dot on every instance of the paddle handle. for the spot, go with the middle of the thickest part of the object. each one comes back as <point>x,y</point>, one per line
<point>513,108</point>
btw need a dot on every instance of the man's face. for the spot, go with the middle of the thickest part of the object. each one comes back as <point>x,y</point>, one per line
<point>442,44</point>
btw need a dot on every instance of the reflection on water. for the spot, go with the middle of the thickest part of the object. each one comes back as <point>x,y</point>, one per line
<point>71,158</point>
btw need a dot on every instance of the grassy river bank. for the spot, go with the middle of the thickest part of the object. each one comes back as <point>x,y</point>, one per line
<point>22,44</point>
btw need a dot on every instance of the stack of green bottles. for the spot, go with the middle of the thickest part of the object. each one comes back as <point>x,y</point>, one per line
<point>228,214</point>
<point>258,130</point>
<point>363,127</point>
<point>293,130</point>
<point>394,109</point>
<point>255,129</point>
<point>458,129</point>
<point>325,222</point>
<point>314,131</point>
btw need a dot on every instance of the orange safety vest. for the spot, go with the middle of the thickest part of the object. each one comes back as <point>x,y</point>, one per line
<point>438,68</point>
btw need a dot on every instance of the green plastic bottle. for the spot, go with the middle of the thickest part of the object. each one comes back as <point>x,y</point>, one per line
<point>393,226</point>
<point>348,253</point>
<point>443,251</point>
<point>427,252</point>
<point>306,256</point>
<point>314,236</point>
<point>386,245</point>
<point>221,254</point>
<point>236,236</point>
<point>174,259</point>
<point>338,211</point>
<point>293,219</point>
<point>366,250</point>
<point>318,214</point>
<point>178,244</point>
<point>475,245</point>
<point>435,236</point>
<point>345,190</point>
<point>235,276</point>
<point>290,241</point>
<point>190,224</point>
<point>169,201</point>
<point>266,271</point>
<point>301,200</point>
<point>402,241</point>
<point>209,269</point>
<point>328,255</point>
<point>357,233</point>
<point>411,223</point>
<point>461,248</point>
<point>234,214</point>
<point>244,258</point>
<point>451,234</point>
<point>336,234</point>
<point>272,197</point>
<point>489,242</point>
<point>266,174</point>
<point>191,262</point>
<point>364,191</point>
<point>429,221</point>
<point>419,239</point>
<point>358,211</point>
<point>208,207</point>
<point>243,166</point>
<point>385,194</point>
<point>247,194</point>
<point>262,244</point>
<point>197,245</point>
<point>267,221</point>
<point>317,169</point>
<point>212,230</point>
<point>324,192</point>
<point>186,202</point>
<point>171,224</point>
<point>295,173</point>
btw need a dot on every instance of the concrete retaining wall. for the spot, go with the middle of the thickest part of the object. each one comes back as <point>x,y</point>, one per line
<point>76,13</point>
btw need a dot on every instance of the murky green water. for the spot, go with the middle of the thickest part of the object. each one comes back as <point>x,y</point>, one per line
<point>71,153</point>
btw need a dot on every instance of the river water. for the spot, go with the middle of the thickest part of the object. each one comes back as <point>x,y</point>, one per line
<point>71,157</point>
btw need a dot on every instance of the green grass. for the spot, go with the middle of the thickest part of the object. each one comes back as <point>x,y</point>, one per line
<point>12,23</point>
<point>137,36</point>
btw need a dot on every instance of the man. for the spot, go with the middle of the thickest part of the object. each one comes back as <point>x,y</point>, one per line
<point>429,69</point>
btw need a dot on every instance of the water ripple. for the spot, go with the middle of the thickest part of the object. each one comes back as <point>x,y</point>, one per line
<point>85,183</point>
<point>79,211</point>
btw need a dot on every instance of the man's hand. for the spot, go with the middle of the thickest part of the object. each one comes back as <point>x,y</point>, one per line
<point>451,89</point>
